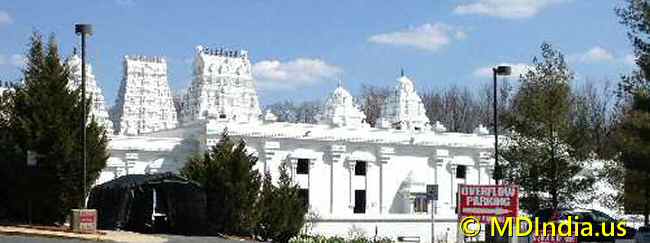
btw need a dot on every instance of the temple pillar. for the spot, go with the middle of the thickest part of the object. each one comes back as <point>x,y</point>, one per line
<point>385,154</point>
<point>269,150</point>
<point>483,165</point>
<point>452,185</point>
<point>336,155</point>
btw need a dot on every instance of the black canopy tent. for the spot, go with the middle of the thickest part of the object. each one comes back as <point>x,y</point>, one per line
<point>158,203</point>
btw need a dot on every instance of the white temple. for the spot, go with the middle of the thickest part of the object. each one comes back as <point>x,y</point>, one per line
<point>354,177</point>
<point>223,88</point>
<point>98,107</point>
<point>144,103</point>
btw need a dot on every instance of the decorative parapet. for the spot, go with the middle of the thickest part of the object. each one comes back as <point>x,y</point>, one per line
<point>143,58</point>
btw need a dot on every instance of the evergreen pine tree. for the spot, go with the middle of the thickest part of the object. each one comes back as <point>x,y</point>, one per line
<point>283,209</point>
<point>232,186</point>
<point>265,208</point>
<point>634,109</point>
<point>545,154</point>
<point>46,118</point>
<point>634,145</point>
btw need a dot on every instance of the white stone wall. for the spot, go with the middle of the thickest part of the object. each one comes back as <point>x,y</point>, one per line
<point>395,173</point>
<point>396,170</point>
<point>144,101</point>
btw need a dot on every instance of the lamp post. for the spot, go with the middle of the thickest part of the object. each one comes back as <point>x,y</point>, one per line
<point>497,71</point>
<point>83,30</point>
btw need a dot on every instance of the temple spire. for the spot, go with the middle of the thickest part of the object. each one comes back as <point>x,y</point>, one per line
<point>401,72</point>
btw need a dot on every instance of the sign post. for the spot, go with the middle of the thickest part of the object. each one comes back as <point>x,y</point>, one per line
<point>84,220</point>
<point>486,202</point>
<point>432,193</point>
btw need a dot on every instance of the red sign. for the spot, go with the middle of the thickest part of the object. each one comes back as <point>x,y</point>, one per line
<point>87,217</point>
<point>488,201</point>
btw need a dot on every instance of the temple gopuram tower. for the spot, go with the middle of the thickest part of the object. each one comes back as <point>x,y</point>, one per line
<point>98,106</point>
<point>222,89</point>
<point>144,102</point>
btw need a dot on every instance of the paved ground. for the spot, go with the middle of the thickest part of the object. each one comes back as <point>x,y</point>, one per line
<point>14,234</point>
<point>161,239</point>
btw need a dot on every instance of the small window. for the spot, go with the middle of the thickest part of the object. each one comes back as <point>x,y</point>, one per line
<point>303,166</point>
<point>304,195</point>
<point>360,201</point>
<point>360,168</point>
<point>418,128</point>
<point>222,116</point>
<point>420,204</point>
<point>461,172</point>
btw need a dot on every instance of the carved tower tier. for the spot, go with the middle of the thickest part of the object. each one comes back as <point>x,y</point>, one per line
<point>144,102</point>
<point>223,88</point>
<point>98,106</point>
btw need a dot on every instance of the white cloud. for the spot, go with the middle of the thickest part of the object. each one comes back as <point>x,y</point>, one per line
<point>430,37</point>
<point>629,59</point>
<point>126,3</point>
<point>14,60</point>
<point>597,54</point>
<point>518,69</point>
<point>18,60</point>
<point>510,9</point>
<point>300,72</point>
<point>5,18</point>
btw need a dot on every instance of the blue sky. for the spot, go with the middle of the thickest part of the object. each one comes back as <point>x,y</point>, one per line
<point>301,48</point>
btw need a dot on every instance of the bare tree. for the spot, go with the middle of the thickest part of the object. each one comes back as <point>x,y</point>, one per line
<point>371,101</point>
<point>504,103</point>
<point>303,112</point>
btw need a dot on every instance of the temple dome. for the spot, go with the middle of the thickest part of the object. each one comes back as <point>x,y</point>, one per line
<point>340,110</point>
<point>406,84</point>
<point>403,108</point>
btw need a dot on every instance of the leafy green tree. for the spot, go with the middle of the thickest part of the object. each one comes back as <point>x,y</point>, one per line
<point>232,186</point>
<point>634,124</point>
<point>545,153</point>
<point>44,118</point>
<point>282,208</point>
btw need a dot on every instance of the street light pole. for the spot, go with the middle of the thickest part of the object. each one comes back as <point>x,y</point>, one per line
<point>83,30</point>
<point>497,71</point>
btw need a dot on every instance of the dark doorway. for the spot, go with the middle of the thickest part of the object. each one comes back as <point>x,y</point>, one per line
<point>360,201</point>
<point>304,195</point>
